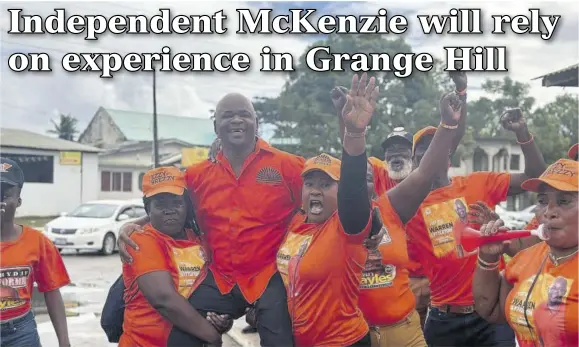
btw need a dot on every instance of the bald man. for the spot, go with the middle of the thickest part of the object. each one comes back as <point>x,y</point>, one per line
<point>244,201</point>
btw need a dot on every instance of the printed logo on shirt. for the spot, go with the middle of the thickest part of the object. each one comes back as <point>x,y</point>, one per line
<point>439,220</point>
<point>11,280</point>
<point>292,250</point>
<point>189,262</point>
<point>268,175</point>
<point>376,274</point>
<point>545,310</point>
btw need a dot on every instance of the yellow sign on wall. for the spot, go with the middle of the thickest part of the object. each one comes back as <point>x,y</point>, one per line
<point>193,155</point>
<point>70,158</point>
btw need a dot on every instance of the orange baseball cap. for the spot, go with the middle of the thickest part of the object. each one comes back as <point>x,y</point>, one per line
<point>429,130</point>
<point>168,179</point>
<point>325,163</point>
<point>561,175</point>
<point>573,151</point>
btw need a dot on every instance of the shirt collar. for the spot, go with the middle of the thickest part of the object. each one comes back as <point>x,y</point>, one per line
<point>260,144</point>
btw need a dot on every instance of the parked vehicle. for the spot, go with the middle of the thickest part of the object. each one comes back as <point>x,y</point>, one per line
<point>509,217</point>
<point>93,225</point>
<point>527,214</point>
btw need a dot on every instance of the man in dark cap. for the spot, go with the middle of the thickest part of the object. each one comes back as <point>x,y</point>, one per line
<point>398,154</point>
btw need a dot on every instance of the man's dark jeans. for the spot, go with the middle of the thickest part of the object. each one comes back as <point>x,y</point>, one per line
<point>273,320</point>
<point>452,329</point>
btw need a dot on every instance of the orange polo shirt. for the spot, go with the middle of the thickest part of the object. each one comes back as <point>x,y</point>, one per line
<point>321,267</point>
<point>143,325</point>
<point>385,276</point>
<point>551,306</point>
<point>32,257</point>
<point>382,184</point>
<point>449,268</point>
<point>246,217</point>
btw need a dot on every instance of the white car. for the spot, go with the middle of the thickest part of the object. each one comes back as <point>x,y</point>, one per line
<point>93,225</point>
<point>509,217</point>
<point>527,214</point>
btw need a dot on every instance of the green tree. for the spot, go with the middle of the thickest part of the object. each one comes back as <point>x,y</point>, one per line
<point>304,110</point>
<point>555,124</point>
<point>65,127</point>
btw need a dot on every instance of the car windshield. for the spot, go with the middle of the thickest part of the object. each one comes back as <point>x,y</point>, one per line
<point>94,211</point>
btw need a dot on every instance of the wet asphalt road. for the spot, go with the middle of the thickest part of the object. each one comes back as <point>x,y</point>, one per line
<point>91,277</point>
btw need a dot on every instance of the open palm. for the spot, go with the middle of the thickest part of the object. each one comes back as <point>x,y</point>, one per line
<point>360,103</point>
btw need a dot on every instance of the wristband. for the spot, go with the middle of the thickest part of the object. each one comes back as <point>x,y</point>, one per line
<point>487,263</point>
<point>450,127</point>
<point>527,142</point>
<point>355,135</point>
<point>490,268</point>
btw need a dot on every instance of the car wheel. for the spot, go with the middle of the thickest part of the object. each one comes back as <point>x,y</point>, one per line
<point>108,244</point>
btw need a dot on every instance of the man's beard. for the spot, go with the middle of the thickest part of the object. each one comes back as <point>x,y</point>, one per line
<point>402,173</point>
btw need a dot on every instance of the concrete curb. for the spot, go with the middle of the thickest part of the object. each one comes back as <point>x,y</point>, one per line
<point>244,340</point>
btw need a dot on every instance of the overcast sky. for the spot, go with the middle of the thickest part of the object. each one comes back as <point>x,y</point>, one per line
<point>30,100</point>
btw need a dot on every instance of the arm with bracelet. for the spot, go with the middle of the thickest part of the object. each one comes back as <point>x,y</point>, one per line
<point>490,289</point>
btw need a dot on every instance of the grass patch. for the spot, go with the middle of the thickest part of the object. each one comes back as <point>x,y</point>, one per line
<point>35,222</point>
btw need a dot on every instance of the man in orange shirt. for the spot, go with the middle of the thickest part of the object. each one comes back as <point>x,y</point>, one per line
<point>452,320</point>
<point>244,201</point>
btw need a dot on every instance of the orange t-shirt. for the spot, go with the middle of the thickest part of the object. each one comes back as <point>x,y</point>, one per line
<point>382,181</point>
<point>552,305</point>
<point>144,326</point>
<point>449,270</point>
<point>245,218</point>
<point>321,267</point>
<point>385,276</point>
<point>382,184</point>
<point>30,258</point>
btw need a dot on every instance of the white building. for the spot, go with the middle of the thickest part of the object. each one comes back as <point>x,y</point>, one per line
<point>121,169</point>
<point>126,138</point>
<point>499,154</point>
<point>59,175</point>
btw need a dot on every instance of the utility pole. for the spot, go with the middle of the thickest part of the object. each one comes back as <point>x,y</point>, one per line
<point>155,141</point>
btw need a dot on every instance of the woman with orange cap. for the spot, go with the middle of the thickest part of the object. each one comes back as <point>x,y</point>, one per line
<point>527,242</point>
<point>537,293</point>
<point>322,257</point>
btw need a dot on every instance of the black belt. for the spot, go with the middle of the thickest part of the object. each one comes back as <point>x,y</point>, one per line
<point>455,309</point>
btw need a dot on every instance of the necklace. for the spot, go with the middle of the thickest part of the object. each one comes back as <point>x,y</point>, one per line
<point>556,260</point>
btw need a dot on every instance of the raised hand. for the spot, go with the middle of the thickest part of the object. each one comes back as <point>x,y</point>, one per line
<point>360,104</point>
<point>339,97</point>
<point>459,77</point>
<point>450,107</point>
<point>513,120</point>
<point>480,213</point>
